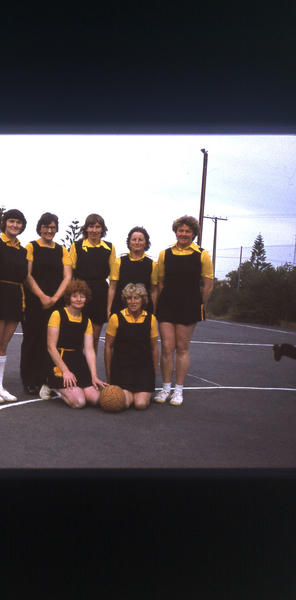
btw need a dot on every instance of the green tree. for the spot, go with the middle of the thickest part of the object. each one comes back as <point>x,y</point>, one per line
<point>2,211</point>
<point>258,254</point>
<point>72,234</point>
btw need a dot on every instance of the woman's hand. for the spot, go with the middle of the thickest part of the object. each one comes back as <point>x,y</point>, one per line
<point>69,379</point>
<point>46,301</point>
<point>98,383</point>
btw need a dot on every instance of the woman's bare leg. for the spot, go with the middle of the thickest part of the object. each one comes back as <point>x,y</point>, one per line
<point>168,346</point>
<point>128,398</point>
<point>97,330</point>
<point>91,395</point>
<point>7,329</point>
<point>183,337</point>
<point>74,397</point>
<point>142,400</point>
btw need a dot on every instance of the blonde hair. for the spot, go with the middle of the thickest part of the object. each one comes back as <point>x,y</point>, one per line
<point>135,288</point>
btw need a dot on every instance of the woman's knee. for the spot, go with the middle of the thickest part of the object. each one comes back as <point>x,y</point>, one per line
<point>74,400</point>
<point>142,402</point>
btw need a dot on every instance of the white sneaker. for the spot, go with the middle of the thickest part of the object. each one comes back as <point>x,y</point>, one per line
<point>161,396</point>
<point>177,398</point>
<point>46,393</point>
<point>6,396</point>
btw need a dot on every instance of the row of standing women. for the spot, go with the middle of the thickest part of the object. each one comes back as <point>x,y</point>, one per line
<point>175,281</point>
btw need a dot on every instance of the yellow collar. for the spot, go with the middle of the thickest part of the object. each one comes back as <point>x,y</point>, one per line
<point>87,244</point>
<point>8,241</point>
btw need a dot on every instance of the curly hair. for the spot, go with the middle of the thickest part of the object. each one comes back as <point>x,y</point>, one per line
<point>92,220</point>
<point>77,285</point>
<point>46,219</point>
<point>13,213</point>
<point>191,222</point>
<point>135,288</point>
<point>139,230</point>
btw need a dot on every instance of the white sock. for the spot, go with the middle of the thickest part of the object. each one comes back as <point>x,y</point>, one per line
<point>179,388</point>
<point>2,368</point>
<point>167,386</point>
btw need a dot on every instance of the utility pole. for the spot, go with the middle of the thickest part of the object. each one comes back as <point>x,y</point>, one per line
<point>239,267</point>
<point>215,219</point>
<point>203,193</point>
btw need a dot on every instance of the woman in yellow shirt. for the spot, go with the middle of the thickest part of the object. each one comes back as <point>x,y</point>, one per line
<point>182,270</point>
<point>92,260</point>
<point>13,272</point>
<point>131,353</point>
<point>49,272</point>
<point>73,371</point>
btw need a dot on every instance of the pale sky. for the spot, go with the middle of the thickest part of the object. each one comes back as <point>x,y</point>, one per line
<point>151,180</point>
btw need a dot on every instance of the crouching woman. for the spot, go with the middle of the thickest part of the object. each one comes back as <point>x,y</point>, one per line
<point>131,354</point>
<point>73,370</point>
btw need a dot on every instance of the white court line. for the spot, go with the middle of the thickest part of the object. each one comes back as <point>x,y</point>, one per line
<point>230,387</point>
<point>217,343</point>
<point>216,387</point>
<point>12,404</point>
<point>252,327</point>
<point>202,379</point>
<point>230,343</point>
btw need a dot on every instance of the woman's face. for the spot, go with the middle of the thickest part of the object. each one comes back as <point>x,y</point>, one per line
<point>13,227</point>
<point>47,232</point>
<point>137,242</point>
<point>134,303</point>
<point>184,236</point>
<point>77,300</point>
<point>94,232</point>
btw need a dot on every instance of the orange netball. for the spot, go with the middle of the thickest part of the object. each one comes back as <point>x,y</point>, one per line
<point>112,399</point>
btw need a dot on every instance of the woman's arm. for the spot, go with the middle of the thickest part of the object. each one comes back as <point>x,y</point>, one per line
<point>91,360</point>
<point>67,276</point>
<point>111,294</point>
<point>35,289</point>
<point>154,349</point>
<point>160,285</point>
<point>109,341</point>
<point>52,340</point>
<point>154,296</point>
<point>207,288</point>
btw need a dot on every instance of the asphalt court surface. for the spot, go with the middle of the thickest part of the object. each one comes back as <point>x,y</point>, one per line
<point>239,412</point>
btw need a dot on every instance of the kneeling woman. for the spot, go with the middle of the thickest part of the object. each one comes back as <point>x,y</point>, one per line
<point>70,345</point>
<point>131,353</point>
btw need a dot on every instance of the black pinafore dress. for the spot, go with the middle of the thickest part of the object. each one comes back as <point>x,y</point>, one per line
<point>13,272</point>
<point>131,363</point>
<point>93,267</point>
<point>180,300</point>
<point>48,272</point>
<point>70,347</point>
<point>133,271</point>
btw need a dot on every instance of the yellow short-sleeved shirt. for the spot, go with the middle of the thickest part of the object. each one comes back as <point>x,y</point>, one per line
<point>113,322</point>
<point>87,244</point>
<point>206,262</point>
<point>115,270</point>
<point>16,244</point>
<point>30,252</point>
<point>55,320</point>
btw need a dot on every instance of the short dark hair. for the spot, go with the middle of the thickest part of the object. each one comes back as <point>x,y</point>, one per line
<point>13,213</point>
<point>46,219</point>
<point>191,222</point>
<point>140,230</point>
<point>77,285</point>
<point>92,220</point>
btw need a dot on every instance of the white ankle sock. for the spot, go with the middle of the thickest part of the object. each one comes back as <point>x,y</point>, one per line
<point>167,386</point>
<point>2,368</point>
<point>179,388</point>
